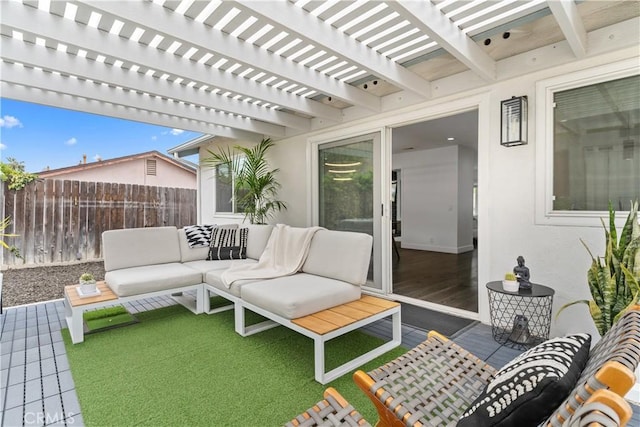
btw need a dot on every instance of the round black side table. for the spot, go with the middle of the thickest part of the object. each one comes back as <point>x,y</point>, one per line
<point>520,319</point>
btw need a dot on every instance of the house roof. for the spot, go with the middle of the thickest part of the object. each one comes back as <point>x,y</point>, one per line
<point>247,70</point>
<point>187,166</point>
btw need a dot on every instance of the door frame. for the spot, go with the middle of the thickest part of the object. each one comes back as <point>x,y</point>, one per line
<point>384,122</point>
<point>379,222</point>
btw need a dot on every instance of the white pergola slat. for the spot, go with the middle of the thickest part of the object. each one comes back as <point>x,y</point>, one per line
<point>317,32</point>
<point>51,27</point>
<point>248,69</point>
<point>566,14</point>
<point>152,16</point>
<point>54,99</point>
<point>426,16</point>
<point>26,53</point>
<point>74,87</point>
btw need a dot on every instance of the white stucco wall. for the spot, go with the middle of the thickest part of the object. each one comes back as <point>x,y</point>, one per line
<point>506,179</point>
<point>437,199</point>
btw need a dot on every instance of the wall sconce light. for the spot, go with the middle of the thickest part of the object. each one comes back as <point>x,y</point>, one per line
<point>627,149</point>
<point>513,120</point>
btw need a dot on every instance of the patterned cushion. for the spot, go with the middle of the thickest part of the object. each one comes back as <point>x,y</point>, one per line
<point>198,236</point>
<point>228,243</point>
<point>527,390</point>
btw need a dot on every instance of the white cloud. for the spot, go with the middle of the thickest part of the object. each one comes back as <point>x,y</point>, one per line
<point>9,122</point>
<point>71,141</point>
<point>153,138</point>
<point>2,146</point>
<point>176,131</point>
<point>97,158</point>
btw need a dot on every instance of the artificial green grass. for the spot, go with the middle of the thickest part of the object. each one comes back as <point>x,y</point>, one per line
<point>107,318</point>
<point>175,368</point>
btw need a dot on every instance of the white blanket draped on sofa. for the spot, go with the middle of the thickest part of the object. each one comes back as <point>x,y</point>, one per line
<point>285,253</point>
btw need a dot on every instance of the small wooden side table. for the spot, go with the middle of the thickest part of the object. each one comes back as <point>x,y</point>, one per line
<point>74,306</point>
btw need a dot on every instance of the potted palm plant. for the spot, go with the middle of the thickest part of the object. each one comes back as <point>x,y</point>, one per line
<point>256,187</point>
<point>614,279</point>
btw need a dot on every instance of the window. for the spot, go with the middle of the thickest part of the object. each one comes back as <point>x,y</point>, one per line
<point>591,138</point>
<point>225,190</point>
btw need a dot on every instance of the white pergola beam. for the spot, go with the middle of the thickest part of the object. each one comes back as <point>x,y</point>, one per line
<point>51,27</point>
<point>47,59</point>
<point>568,18</point>
<point>20,75</point>
<point>425,16</point>
<point>53,99</point>
<point>318,33</point>
<point>161,20</point>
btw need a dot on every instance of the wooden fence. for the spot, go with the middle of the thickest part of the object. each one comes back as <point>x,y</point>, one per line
<point>60,221</point>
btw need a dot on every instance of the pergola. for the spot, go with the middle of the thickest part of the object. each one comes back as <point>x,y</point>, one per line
<point>249,69</point>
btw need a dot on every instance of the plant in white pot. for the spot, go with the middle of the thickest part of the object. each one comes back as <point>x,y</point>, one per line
<point>510,283</point>
<point>87,283</point>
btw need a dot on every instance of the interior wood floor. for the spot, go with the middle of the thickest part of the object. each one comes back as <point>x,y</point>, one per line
<point>446,279</point>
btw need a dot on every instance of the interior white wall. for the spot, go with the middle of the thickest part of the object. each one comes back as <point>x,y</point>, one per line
<point>436,199</point>
<point>466,179</point>
<point>506,180</point>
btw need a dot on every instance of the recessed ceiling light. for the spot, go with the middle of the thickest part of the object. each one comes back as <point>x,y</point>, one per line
<point>451,138</point>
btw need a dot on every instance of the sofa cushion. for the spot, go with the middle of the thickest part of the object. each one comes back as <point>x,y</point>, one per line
<point>257,240</point>
<point>527,389</point>
<point>299,295</point>
<point>198,236</point>
<point>150,278</point>
<point>190,254</point>
<point>204,265</point>
<point>228,243</point>
<point>135,247</point>
<point>340,255</point>
<point>214,278</point>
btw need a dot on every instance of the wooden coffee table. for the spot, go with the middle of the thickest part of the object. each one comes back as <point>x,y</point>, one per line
<point>74,306</point>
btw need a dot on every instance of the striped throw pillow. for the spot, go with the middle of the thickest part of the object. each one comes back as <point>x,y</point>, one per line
<point>228,243</point>
<point>198,236</point>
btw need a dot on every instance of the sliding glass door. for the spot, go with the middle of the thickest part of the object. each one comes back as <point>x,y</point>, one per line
<point>349,192</point>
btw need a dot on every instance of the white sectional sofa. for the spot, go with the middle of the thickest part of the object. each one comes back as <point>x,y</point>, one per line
<point>140,261</point>
<point>144,262</point>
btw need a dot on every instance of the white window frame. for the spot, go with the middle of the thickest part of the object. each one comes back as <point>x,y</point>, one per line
<point>545,90</point>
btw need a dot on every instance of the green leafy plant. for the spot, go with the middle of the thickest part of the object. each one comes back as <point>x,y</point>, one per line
<point>510,277</point>
<point>256,187</point>
<point>87,277</point>
<point>614,279</point>
<point>14,174</point>
<point>4,225</point>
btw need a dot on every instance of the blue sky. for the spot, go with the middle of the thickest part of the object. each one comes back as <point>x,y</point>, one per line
<point>42,136</point>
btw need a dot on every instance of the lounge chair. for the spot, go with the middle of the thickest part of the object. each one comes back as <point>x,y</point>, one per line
<point>333,410</point>
<point>437,381</point>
